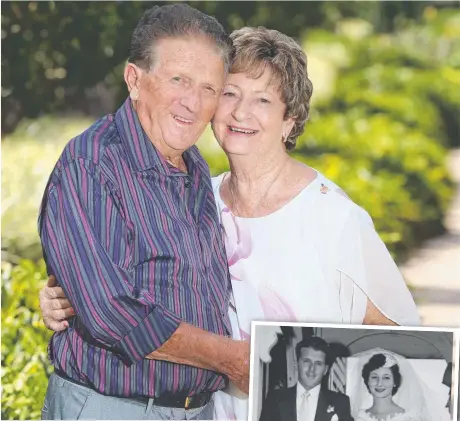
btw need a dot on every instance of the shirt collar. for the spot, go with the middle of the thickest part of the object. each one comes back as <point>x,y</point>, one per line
<point>313,392</point>
<point>142,154</point>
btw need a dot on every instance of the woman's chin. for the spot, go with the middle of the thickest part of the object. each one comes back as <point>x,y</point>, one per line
<point>233,149</point>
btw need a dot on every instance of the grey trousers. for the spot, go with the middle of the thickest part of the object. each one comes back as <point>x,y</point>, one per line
<point>66,400</point>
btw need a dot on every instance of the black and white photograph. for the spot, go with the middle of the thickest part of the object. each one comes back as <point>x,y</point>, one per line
<point>344,373</point>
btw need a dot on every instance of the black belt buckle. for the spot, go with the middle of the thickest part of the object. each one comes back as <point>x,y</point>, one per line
<point>197,401</point>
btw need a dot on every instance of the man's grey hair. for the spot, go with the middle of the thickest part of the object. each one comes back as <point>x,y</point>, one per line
<point>176,20</point>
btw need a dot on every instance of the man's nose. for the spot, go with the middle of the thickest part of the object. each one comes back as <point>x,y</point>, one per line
<point>191,100</point>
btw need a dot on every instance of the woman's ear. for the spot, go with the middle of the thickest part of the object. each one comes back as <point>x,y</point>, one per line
<point>288,125</point>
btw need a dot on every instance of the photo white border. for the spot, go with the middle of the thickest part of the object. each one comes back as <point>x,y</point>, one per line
<point>455,350</point>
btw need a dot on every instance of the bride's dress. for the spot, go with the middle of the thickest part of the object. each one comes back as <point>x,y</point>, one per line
<point>404,416</point>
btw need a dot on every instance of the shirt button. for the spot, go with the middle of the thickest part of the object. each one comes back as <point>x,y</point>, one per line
<point>187,184</point>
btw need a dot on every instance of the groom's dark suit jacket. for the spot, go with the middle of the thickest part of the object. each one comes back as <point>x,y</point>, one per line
<point>280,405</point>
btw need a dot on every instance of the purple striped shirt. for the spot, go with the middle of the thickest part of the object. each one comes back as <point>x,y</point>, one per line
<point>136,245</point>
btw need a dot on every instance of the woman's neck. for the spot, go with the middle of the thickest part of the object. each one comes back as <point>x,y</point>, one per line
<point>255,172</point>
<point>253,185</point>
<point>383,406</point>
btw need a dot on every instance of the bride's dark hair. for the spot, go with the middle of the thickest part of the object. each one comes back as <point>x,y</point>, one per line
<point>378,361</point>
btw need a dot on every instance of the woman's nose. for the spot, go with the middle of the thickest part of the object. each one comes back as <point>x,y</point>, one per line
<point>241,111</point>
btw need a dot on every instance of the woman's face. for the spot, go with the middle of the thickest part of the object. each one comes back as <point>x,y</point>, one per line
<point>381,382</point>
<point>250,115</point>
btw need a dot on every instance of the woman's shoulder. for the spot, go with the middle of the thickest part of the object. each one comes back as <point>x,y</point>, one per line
<point>333,203</point>
<point>364,415</point>
<point>411,416</point>
<point>217,180</point>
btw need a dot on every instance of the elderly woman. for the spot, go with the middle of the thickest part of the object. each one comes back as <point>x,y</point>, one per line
<point>298,248</point>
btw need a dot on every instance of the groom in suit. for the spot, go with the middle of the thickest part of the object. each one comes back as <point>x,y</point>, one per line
<point>308,400</point>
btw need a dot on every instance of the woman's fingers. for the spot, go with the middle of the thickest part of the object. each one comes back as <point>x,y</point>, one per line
<point>51,281</point>
<point>55,307</point>
<point>55,325</point>
<point>61,314</point>
<point>53,292</point>
<point>59,303</point>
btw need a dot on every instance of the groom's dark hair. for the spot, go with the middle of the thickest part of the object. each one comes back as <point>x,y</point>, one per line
<point>313,342</point>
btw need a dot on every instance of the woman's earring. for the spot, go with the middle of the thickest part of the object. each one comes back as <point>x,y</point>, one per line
<point>134,94</point>
<point>284,138</point>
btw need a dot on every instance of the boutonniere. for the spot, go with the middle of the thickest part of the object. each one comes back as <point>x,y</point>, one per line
<point>331,409</point>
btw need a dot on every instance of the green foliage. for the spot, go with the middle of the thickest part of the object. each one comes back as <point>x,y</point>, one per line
<point>28,157</point>
<point>395,172</point>
<point>54,53</point>
<point>25,365</point>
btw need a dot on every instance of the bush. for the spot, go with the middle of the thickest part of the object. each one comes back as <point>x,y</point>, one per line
<point>28,157</point>
<point>395,172</point>
<point>25,365</point>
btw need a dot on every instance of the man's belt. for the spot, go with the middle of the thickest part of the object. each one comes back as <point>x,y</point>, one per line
<point>180,401</point>
<point>170,400</point>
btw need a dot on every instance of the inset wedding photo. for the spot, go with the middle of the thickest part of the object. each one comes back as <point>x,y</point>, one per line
<point>320,372</point>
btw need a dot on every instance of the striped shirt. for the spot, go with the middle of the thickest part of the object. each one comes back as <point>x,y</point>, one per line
<point>137,247</point>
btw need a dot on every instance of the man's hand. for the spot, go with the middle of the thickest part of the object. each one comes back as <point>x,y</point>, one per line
<point>55,307</point>
<point>240,373</point>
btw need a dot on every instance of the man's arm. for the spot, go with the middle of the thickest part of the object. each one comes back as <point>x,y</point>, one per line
<point>85,239</point>
<point>193,346</point>
<point>345,414</point>
<point>270,408</point>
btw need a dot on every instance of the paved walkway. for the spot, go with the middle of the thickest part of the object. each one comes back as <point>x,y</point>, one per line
<point>434,270</point>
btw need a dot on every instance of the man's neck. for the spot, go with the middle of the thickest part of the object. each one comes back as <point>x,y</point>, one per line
<point>308,389</point>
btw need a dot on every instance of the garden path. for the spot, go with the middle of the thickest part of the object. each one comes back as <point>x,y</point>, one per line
<point>434,270</point>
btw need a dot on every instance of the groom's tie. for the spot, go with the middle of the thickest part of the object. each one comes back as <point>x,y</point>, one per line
<point>305,408</point>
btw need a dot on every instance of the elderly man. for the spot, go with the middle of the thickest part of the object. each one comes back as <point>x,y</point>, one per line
<point>130,231</point>
<point>308,400</point>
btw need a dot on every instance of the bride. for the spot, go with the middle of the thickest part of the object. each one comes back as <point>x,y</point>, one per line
<point>389,389</point>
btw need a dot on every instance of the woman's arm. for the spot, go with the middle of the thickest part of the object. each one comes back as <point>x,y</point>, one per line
<point>375,317</point>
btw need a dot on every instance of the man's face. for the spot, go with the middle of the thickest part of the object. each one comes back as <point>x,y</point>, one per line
<point>179,95</point>
<point>312,367</point>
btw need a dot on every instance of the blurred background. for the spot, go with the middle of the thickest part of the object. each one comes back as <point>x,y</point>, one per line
<point>385,126</point>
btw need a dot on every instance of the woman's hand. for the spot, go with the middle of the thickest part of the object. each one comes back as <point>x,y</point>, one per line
<point>55,306</point>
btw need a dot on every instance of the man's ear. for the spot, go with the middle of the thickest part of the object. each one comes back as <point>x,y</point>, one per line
<point>132,75</point>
